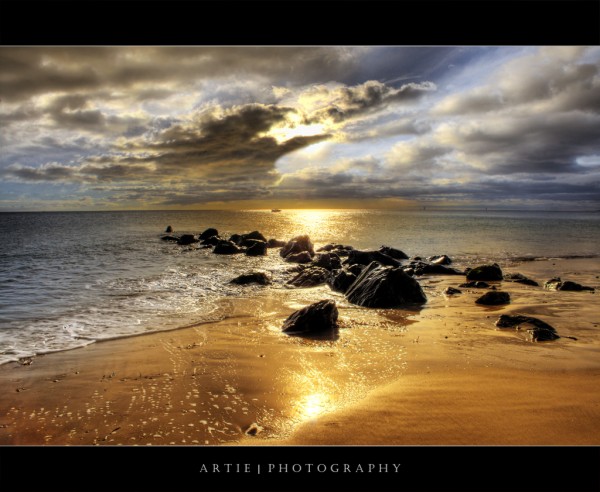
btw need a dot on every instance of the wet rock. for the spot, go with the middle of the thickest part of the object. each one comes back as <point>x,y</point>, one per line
<point>479,284</point>
<point>208,233</point>
<point>211,241</point>
<point>421,268</point>
<point>226,248</point>
<point>169,229</point>
<point>186,239</point>
<point>310,277</point>
<point>170,238</point>
<point>298,244</point>
<point>256,247</point>
<point>538,330</point>
<point>254,235</point>
<point>329,261</point>
<point>335,247</point>
<point>356,269</point>
<point>341,280</point>
<point>451,291</point>
<point>385,287</point>
<point>440,260</point>
<point>393,253</point>
<point>274,243</point>
<point>494,298</point>
<point>558,284</point>
<point>236,238</point>
<point>316,318</point>
<point>303,257</point>
<point>520,279</point>
<point>356,257</point>
<point>485,272</point>
<point>253,429</point>
<point>260,278</point>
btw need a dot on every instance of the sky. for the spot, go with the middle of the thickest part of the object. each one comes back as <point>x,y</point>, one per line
<point>117,128</point>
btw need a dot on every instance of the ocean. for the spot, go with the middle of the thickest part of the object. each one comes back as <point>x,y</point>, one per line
<point>69,279</point>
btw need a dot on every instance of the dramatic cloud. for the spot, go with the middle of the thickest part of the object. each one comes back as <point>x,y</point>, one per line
<point>193,127</point>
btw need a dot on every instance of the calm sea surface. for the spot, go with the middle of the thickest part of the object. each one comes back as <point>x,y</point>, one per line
<point>68,279</point>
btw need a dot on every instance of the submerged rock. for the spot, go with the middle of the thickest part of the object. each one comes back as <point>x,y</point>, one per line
<point>210,232</point>
<point>186,239</point>
<point>226,248</point>
<point>558,284</point>
<point>313,319</point>
<point>256,247</point>
<point>479,284</point>
<point>170,238</point>
<point>494,298</point>
<point>451,291</point>
<point>537,329</point>
<point>485,272</point>
<point>520,279</point>
<point>274,243</point>
<point>252,278</point>
<point>393,253</point>
<point>421,268</point>
<point>356,257</point>
<point>385,287</point>
<point>310,277</point>
<point>440,260</point>
<point>298,244</point>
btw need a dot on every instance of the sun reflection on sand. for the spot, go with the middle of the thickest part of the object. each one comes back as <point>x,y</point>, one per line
<point>313,405</point>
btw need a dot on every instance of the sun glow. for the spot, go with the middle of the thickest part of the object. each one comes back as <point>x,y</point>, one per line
<point>283,134</point>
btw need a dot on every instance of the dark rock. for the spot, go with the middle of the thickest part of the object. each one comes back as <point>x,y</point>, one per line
<point>236,238</point>
<point>170,238</point>
<point>485,272</point>
<point>440,260</point>
<point>356,269</point>
<point>208,233</point>
<point>313,319</point>
<point>187,239</point>
<point>274,243</point>
<point>254,235</point>
<point>226,248</point>
<point>537,329</point>
<point>450,291</point>
<point>303,257</point>
<point>335,247</point>
<point>169,229</point>
<point>356,257</point>
<point>211,241</point>
<point>479,284</point>
<point>494,298</point>
<point>310,277</point>
<point>385,287</point>
<point>421,268</point>
<point>341,280</point>
<point>298,244</point>
<point>252,278</point>
<point>257,248</point>
<point>520,279</point>
<point>393,253</point>
<point>329,261</point>
<point>558,284</point>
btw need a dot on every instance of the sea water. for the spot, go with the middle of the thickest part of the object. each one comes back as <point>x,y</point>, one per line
<point>69,279</point>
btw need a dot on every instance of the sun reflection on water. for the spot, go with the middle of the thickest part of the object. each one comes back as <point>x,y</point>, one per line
<point>313,222</point>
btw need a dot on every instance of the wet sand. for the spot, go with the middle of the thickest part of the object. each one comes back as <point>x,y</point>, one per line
<point>440,375</point>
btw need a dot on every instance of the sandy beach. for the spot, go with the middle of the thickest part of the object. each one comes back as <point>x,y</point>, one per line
<point>441,375</point>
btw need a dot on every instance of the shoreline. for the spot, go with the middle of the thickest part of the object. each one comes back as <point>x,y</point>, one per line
<point>443,375</point>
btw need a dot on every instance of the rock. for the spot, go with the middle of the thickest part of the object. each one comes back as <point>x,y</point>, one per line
<point>494,298</point>
<point>421,268</point>
<point>485,272</point>
<point>274,243</point>
<point>169,238</point>
<point>475,285</point>
<point>520,279</point>
<point>208,233</point>
<point>254,235</point>
<point>303,257</point>
<point>252,278</point>
<point>558,284</point>
<point>450,291</point>
<point>341,280</point>
<point>538,330</point>
<point>310,277</point>
<point>313,319</point>
<point>256,248</point>
<point>368,257</point>
<point>440,260</point>
<point>329,261</point>
<point>393,253</point>
<point>356,269</point>
<point>236,238</point>
<point>335,247</point>
<point>169,229</point>
<point>385,287</point>
<point>226,248</point>
<point>211,241</point>
<point>186,239</point>
<point>298,244</point>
